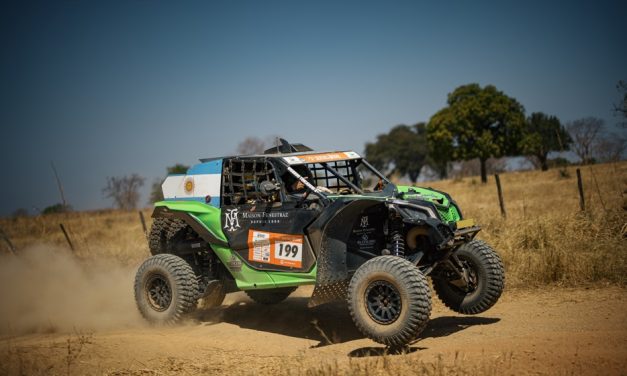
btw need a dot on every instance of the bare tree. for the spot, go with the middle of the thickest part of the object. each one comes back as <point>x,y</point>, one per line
<point>473,167</point>
<point>584,133</point>
<point>251,145</point>
<point>255,145</point>
<point>124,190</point>
<point>610,148</point>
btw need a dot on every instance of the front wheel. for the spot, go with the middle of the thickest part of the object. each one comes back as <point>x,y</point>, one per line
<point>389,300</point>
<point>486,280</point>
<point>166,289</point>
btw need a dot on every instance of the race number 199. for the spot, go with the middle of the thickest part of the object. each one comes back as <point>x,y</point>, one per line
<point>290,251</point>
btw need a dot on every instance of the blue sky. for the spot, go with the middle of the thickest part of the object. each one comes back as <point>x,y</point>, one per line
<point>112,88</point>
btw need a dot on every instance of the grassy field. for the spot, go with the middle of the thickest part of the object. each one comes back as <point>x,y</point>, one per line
<point>545,238</point>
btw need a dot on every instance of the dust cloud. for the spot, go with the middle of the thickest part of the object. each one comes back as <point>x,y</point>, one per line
<point>46,290</point>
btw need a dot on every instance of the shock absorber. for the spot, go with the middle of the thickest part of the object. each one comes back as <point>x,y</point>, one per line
<point>397,241</point>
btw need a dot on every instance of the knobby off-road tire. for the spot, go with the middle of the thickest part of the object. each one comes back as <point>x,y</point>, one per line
<point>270,296</point>
<point>485,268</point>
<point>389,300</point>
<point>166,289</point>
<point>162,233</point>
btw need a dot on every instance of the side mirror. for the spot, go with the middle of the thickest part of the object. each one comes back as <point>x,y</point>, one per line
<point>267,187</point>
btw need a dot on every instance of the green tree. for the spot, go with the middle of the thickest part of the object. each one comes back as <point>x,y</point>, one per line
<point>542,135</point>
<point>56,208</point>
<point>477,123</point>
<point>156,194</point>
<point>403,150</point>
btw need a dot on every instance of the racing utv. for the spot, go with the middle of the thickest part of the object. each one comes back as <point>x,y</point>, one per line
<point>266,224</point>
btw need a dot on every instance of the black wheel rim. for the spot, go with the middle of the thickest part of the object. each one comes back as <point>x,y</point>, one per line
<point>383,302</point>
<point>158,292</point>
<point>473,279</point>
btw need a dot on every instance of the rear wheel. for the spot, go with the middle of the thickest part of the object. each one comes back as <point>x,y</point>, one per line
<point>166,289</point>
<point>389,300</point>
<point>270,296</point>
<point>486,280</point>
<point>164,233</point>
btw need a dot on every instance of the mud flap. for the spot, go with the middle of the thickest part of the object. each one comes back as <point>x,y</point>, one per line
<point>332,277</point>
<point>328,293</point>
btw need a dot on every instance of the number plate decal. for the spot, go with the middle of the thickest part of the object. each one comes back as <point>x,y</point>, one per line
<point>274,248</point>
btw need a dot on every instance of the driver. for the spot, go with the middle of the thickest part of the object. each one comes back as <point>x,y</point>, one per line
<point>292,184</point>
<point>295,186</point>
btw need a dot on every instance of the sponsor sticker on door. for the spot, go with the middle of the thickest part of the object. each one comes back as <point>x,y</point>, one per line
<point>276,249</point>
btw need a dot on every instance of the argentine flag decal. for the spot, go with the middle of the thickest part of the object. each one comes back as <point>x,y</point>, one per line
<point>201,180</point>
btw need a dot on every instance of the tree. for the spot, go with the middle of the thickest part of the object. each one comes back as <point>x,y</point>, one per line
<point>477,123</point>
<point>610,148</point>
<point>542,135</point>
<point>156,193</point>
<point>584,133</point>
<point>403,150</point>
<point>56,208</point>
<point>255,145</point>
<point>124,190</point>
<point>472,167</point>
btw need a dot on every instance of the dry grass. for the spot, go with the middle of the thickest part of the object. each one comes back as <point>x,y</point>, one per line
<point>108,234</point>
<point>409,365</point>
<point>18,359</point>
<point>545,238</point>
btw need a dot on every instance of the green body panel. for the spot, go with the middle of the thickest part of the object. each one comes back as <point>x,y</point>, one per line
<point>207,215</point>
<point>447,212</point>
<point>246,277</point>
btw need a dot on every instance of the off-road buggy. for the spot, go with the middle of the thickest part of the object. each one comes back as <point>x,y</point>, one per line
<point>242,223</point>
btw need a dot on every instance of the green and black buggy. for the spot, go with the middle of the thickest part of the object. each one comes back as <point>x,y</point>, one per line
<point>266,224</point>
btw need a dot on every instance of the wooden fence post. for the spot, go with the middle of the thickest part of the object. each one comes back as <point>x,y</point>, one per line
<point>500,193</point>
<point>582,201</point>
<point>8,241</point>
<point>67,237</point>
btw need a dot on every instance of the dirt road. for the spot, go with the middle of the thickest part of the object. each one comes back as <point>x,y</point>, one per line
<point>559,331</point>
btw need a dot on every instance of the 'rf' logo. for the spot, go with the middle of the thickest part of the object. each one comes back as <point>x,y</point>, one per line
<point>364,222</point>
<point>231,223</point>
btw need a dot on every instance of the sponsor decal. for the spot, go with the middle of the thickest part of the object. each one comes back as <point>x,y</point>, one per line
<point>365,243</point>
<point>364,234</point>
<point>235,264</point>
<point>364,222</point>
<point>231,222</point>
<point>321,157</point>
<point>265,217</point>
<point>275,248</point>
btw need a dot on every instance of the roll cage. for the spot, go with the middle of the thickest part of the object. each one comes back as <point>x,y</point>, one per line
<point>340,176</point>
